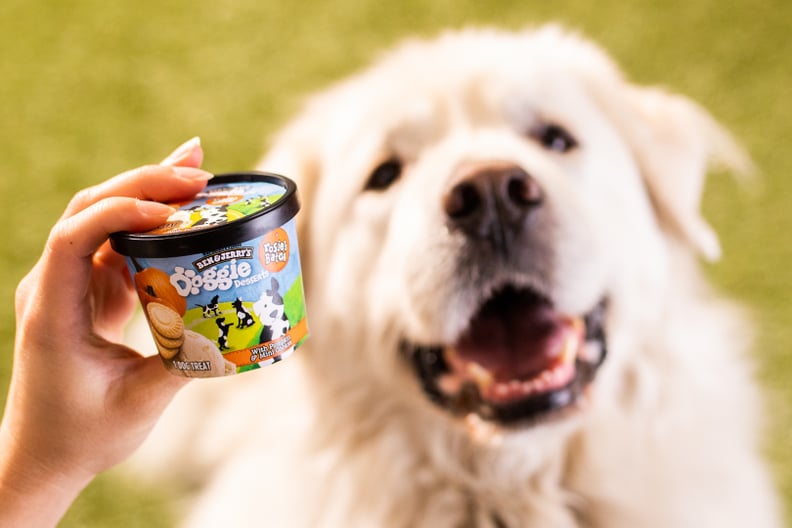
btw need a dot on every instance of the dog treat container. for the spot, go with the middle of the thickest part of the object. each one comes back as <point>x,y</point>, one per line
<point>220,282</point>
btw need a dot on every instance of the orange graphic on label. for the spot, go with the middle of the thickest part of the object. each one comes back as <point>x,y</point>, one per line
<point>274,250</point>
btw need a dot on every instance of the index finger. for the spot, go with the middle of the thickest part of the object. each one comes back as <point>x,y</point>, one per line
<point>151,182</point>
<point>68,257</point>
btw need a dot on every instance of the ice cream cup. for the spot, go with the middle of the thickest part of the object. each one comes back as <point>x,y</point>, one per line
<point>220,282</point>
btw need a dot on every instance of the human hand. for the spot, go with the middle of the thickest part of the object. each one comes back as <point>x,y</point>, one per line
<point>79,401</point>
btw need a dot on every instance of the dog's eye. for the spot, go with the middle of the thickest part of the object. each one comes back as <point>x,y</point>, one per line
<point>555,138</point>
<point>384,175</point>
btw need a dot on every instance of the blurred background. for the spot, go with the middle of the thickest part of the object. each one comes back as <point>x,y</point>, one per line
<point>91,88</point>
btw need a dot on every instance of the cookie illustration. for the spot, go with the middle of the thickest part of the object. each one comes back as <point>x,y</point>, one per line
<point>168,342</point>
<point>167,352</point>
<point>165,321</point>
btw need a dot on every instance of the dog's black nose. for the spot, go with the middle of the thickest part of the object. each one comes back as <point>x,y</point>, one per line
<point>491,200</point>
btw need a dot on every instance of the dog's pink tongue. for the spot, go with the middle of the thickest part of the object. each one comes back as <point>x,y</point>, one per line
<point>516,342</point>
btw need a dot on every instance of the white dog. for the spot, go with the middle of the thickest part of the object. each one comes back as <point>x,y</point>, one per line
<point>508,324</point>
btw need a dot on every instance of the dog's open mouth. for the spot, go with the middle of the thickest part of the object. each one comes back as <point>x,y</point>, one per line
<point>519,359</point>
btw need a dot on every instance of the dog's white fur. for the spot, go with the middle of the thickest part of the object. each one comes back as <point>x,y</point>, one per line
<point>340,435</point>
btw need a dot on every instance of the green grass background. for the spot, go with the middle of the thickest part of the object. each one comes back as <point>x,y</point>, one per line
<point>93,87</point>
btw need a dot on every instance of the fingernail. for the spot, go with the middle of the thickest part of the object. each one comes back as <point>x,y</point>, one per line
<point>154,208</point>
<point>191,173</point>
<point>183,151</point>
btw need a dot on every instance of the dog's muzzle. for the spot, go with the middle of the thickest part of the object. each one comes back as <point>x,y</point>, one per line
<point>519,358</point>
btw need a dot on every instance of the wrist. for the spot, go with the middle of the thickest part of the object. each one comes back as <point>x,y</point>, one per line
<point>31,492</point>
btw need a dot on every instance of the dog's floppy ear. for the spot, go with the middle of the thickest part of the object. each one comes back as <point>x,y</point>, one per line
<point>676,142</point>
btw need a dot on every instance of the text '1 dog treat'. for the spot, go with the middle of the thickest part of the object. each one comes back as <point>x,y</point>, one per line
<point>220,282</point>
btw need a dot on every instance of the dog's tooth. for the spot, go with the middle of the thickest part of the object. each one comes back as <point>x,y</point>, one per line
<point>452,359</point>
<point>483,378</point>
<point>501,390</point>
<point>539,382</point>
<point>530,386</point>
<point>571,345</point>
<point>565,373</point>
<point>579,325</point>
<point>558,376</point>
<point>515,387</point>
<point>449,384</point>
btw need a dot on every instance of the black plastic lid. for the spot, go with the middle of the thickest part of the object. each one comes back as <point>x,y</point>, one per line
<point>169,241</point>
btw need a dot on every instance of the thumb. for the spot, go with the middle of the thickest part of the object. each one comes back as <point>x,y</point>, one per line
<point>189,154</point>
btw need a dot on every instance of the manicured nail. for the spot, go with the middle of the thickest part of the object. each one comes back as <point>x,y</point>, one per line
<point>191,173</point>
<point>183,151</point>
<point>154,208</point>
